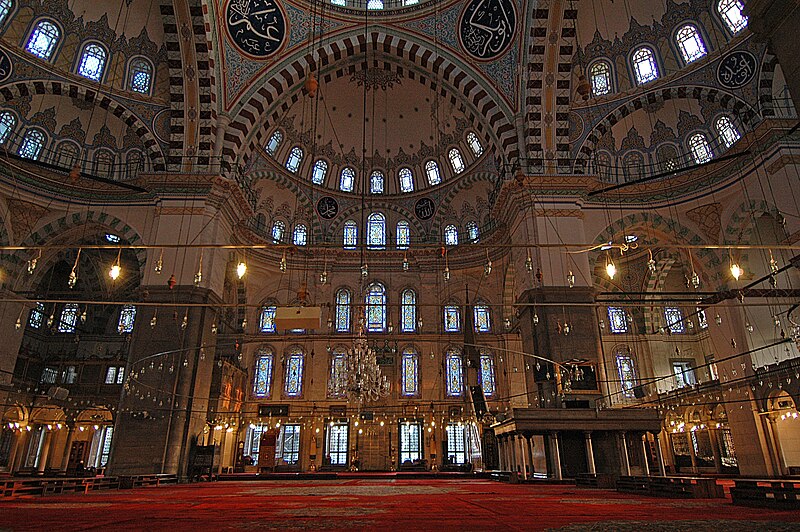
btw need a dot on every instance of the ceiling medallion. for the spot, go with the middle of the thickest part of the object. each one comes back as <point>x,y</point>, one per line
<point>327,207</point>
<point>487,27</point>
<point>736,69</point>
<point>257,27</point>
<point>424,208</point>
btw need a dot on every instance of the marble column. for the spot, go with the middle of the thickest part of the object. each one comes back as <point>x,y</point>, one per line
<point>45,450</point>
<point>22,444</point>
<point>645,456</point>
<point>589,453</point>
<point>660,455</point>
<point>523,455</point>
<point>556,456</point>
<point>692,455</point>
<point>529,448</point>
<point>626,463</point>
<point>713,434</point>
<point>67,447</point>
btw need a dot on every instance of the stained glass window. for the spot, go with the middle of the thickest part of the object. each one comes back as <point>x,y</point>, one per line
<point>474,143</point>
<point>432,171</point>
<point>338,375</point>
<point>36,316</point>
<point>410,442</point>
<point>376,231</point>
<point>456,449</point>
<point>262,381</point>
<point>337,443</point>
<point>140,75</point>
<point>375,4</point>
<point>409,372</point>
<point>452,318</point>
<point>103,163</point>
<point>701,318</point>
<point>5,9</point>
<point>376,182</point>
<point>339,2</point>
<point>627,374</point>
<point>600,77</point>
<point>473,232</point>
<point>731,13</point>
<point>617,321</point>
<point>278,230</point>
<point>483,321</point>
<point>300,235</point>
<point>456,161</point>
<point>32,144</point>
<point>376,308</point>
<point>406,180</point>
<point>266,322</point>
<point>7,124</point>
<point>454,368</point>
<point>690,43</point>
<point>93,62</point>
<point>295,158</point>
<point>343,310</point>
<point>350,235</point>
<point>701,151</point>
<point>273,142</point>
<point>451,235</point>
<point>43,40</point>
<point>347,179</point>
<point>674,319</point>
<point>127,317</point>
<point>293,387</point>
<point>667,156</point>
<point>403,235</point>
<point>69,318</point>
<point>645,68</point>
<point>408,311</point>
<point>319,172</point>
<point>487,374</point>
<point>727,131</point>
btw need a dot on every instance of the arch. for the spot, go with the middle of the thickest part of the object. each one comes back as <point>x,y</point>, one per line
<point>690,42</point>
<point>644,64</point>
<point>92,61</point>
<point>44,38</point>
<point>141,75</point>
<point>601,77</point>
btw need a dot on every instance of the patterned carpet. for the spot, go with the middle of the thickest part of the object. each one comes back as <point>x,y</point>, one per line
<point>385,504</point>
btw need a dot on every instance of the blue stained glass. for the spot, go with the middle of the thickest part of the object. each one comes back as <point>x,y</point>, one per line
<point>7,123</point>
<point>266,322</point>
<point>43,40</point>
<point>731,13</point>
<point>690,43</point>
<point>5,8</point>
<point>350,235</point>
<point>456,161</point>
<point>451,235</point>
<point>483,321</point>
<point>338,374</point>
<point>406,180</point>
<point>408,311</point>
<point>274,142</point>
<point>376,231</point>
<point>617,320</point>
<point>487,374</point>
<point>347,180</point>
<point>141,76</point>
<point>343,310</point>
<point>644,65</point>
<point>454,373</point>
<point>295,158</point>
<point>320,170</point>
<point>473,232</point>
<point>627,375</point>
<point>93,62</point>
<point>37,316</point>
<point>69,318</point>
<point>376,308</point>
<point>409,371</point>
<point>262,381</point>
<point>674,318</point>
<point>300,235</point>
<point>403,235</point>
<point>127,316</point>
<point>376,182</point>
<point>432,171</point>
<point>474,143</point>
<point>294,373</point>
<point>452,318</point>
<point>32,144</point>
<point>278,230</point>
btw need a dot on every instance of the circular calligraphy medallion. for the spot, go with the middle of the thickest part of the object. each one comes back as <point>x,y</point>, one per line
<point>736,69</point>
<point>424,208</point>
<point>487,27</point>
<point>5,66</point>
<point>327,207</point>
<point>257,27</point>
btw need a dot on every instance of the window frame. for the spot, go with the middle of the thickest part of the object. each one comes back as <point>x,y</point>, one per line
<point>295,157</point>
<point>131,74</point>
<point>351,173</point>
<point>377,177</point>
<point>433,173</point>
<point>277,137</point>
<point>696,156</point>
<point>12,126</point>
<point>376,219</point>
<point>343,322</point>
<point>462,166</point>
<point>635,71</point>
<point>264,318</point>
<point>348,227</point>
<point>294,353</point>
<point>627,392</point>
<point>726,22</point>
<point>402,228</point>
<point>11,9</point>
<point>472,138</point>
<point>300,229</point>
<point>319,163</point>
<point>381,304</point>
<point>405,179</point>
<point>409,356</point>
<point>264,353</point>
<point>609,73</point>
<point>53,48</point>
<point>80,60</point>
<point>453,355</point>
<point>408,309</point>
<point>24,141</point>
<point>678,42</point>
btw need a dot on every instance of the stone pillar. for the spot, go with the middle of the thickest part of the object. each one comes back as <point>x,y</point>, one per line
<point>522,453</point>
<point>22,444</point>
<point>714,435</point>
<point>501,453</point>
<point>589,453</point>
<point>692,454</point>
<point>645,456</point>
<point>660,455</point>
<point>529,448</point>
<point>556,456</point>
<point>41,463</point>
<point>67,447</point>
<point>626,463</point>
<point>514,457</point>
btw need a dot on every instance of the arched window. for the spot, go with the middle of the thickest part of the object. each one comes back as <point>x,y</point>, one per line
<point>408,311</point>
<point>626,371</point>
<point>5,9</point>
<point>347,179</point>
<point>600,78</point>
<point>32,144</point>
<point>454,372</point>
<point>337,379</point>
<point>432,171</point>
<point>727,131</point>
<point>403,235</point>
<point>273,143</point>
<point>376,231</point>
<point>43,39</point>
<point>375,4</point>
<point>617,320</point>
<point>262,379</point>
<point>127,317</point>
<point>7,124</point>
<point>134,162</point>
<point>93,62</point>
<point>731,13</point>
<point>645,68</point>
<point>451,235</point>
<point>293,385</point>
<point>690,43</point>
<point>36,316</point>
<point>66,154</point>
<point>140,75</point>
<point>406,180</point>
<point>343,310</point>
<point>674,319</point>
<point>294,160</point>
<point>483,319</point>
<point>266,321</point>
<point>474,143</point>
<point>278,230</point>
<point>300,237</point>
<point>319,172</point>
<point>633,165</point>
<point>350,235</point>
<point>472,232</point>
<point>69,318</point>
<point>700,149</point>
<point>376,182</point>
<point>486,374</point>
<point>452,318</point>
<point>103,164</point>
<point>456,161</point>
<point>667,156</point>
<point>409,372</point>
<point>376,307</point>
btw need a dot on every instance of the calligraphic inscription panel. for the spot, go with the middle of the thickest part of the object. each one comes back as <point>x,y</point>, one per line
<point>737,69</point>
<point>424,208</point>
<point>257,27</point>
<point>5,66</point>
<point>327,207</point>
<point>487,27</point>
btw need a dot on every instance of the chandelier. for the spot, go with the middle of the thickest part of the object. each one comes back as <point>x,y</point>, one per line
<point>362,381</point>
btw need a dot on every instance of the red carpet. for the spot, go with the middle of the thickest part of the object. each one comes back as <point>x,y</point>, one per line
<point>368,504</point>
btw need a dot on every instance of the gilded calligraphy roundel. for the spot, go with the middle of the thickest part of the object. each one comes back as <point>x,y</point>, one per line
<point>5,66</point>
<point>257,27</point>
<point>736,69</point>
<point>487,27</point>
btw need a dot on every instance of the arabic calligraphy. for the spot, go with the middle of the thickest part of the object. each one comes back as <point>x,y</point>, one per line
<point>5,66</point>
<point>424,208</point>
<point>258,27</point>
<point>327,207</point>
<point>487,27</point>
<point>736,69</point>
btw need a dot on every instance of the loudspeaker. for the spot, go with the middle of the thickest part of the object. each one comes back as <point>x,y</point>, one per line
<point>298,318</point>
